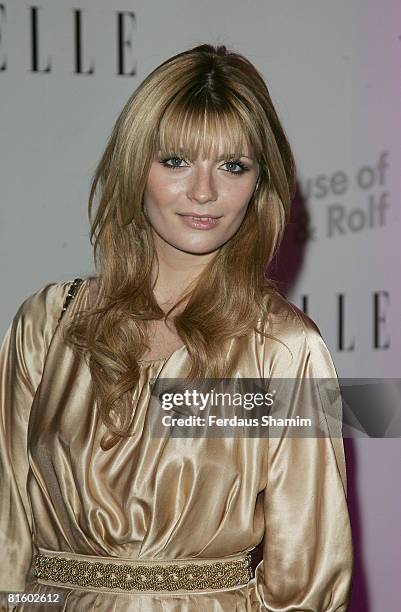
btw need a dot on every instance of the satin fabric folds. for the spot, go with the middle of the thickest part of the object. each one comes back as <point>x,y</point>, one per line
<point>167,498</point>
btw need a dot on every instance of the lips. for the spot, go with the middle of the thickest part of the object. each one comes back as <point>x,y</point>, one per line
<point>199,222</point>
<point>196,216</point>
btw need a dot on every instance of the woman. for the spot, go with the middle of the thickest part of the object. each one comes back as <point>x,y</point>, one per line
<point>104,515</point>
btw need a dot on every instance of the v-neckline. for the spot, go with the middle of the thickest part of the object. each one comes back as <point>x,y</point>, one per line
<point>162,359</point>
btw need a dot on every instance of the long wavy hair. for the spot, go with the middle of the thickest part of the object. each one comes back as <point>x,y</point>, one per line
<point>185,105</point>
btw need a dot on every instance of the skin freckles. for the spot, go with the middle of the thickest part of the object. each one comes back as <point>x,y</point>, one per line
<point>177,186</point>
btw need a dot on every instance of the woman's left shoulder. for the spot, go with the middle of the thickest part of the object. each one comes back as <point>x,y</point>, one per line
<point>285,317</point>
<point>288,325</point>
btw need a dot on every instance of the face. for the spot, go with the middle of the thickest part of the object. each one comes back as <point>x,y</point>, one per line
<point>217,189</point>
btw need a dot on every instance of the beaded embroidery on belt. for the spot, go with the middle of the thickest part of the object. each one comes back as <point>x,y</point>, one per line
<point>140,575</point>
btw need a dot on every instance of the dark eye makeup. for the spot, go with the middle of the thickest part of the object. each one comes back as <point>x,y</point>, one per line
<point>232,162</point>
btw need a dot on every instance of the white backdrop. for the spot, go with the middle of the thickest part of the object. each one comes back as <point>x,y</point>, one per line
<point>333,73</point>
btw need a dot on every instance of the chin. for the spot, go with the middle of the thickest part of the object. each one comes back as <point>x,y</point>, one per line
<point>197,249</point>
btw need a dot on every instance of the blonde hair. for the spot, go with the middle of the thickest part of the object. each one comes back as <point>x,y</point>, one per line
<point>186,104</point>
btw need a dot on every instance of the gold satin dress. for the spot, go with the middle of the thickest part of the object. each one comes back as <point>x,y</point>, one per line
<point>162,499</point>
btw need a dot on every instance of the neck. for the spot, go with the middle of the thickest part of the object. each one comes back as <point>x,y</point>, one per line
<point>176,270</point>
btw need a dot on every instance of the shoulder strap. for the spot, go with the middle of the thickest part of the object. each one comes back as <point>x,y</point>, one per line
<point>70,295</point>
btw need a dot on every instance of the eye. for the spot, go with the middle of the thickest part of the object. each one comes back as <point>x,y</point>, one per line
<point>241,167</point>
<point>174,159</point>
<point>236,162</point>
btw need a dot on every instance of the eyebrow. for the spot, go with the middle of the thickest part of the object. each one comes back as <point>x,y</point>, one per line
<point>232,156</point>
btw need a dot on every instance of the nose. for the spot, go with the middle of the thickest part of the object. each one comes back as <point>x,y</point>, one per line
<point>202,187</point>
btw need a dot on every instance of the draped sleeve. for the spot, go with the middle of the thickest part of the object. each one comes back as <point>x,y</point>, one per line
<point>22,356</point>
<point>307,550</point>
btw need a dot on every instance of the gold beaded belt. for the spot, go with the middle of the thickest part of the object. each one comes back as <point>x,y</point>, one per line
<point>71,569</point>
